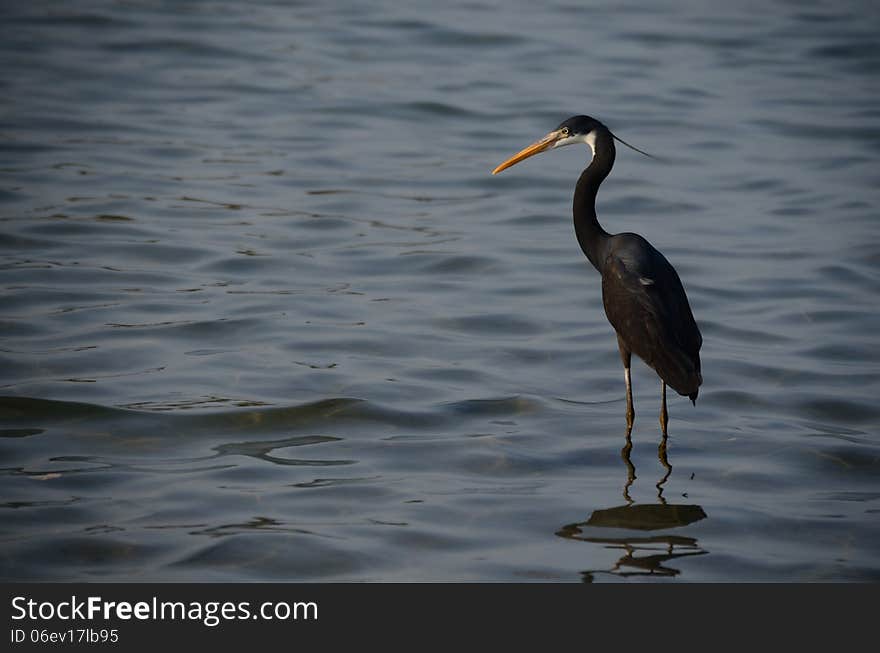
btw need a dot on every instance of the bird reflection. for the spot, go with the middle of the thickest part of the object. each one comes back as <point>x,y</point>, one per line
<point>643,555</point>
<point>631,564</point>
<point>631,469</point>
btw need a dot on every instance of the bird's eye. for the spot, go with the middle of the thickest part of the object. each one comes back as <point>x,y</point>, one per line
<point>564,131</point>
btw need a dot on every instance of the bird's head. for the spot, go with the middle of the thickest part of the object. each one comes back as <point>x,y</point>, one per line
<point>577,129</point>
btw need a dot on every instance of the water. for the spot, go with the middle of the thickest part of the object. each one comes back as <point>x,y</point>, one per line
<point>266,315</point>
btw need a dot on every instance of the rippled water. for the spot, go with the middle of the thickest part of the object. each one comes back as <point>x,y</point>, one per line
<point>266,315</point>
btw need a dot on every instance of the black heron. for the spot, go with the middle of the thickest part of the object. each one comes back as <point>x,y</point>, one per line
<point>642,293</point>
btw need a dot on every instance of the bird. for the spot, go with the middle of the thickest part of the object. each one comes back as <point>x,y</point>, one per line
<point>643,296</point>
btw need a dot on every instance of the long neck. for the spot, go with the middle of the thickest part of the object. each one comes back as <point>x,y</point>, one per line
<point>592,238</point>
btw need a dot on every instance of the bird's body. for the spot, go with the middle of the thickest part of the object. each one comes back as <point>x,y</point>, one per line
<point>643,296</point>
<point>645,303</point>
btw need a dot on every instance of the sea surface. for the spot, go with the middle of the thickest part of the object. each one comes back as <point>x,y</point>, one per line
<point>265,314</point>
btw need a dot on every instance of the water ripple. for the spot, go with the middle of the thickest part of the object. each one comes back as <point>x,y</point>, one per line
<point>266,314</point>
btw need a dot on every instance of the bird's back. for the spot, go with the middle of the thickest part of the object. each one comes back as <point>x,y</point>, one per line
<point>646,304</point>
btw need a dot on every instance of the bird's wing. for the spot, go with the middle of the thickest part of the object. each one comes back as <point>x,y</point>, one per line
<point>647,306</point>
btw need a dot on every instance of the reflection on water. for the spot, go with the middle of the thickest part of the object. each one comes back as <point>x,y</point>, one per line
<point>631,469</point>
<point>640,557</point>
<point>646,517</point>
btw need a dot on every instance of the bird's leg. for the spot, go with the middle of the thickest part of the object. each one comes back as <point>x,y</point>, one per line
<point>664,414</point>
<point>630,411</point>
<point>626,357</point>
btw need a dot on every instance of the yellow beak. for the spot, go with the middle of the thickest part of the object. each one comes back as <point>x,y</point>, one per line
<point>531,150</point>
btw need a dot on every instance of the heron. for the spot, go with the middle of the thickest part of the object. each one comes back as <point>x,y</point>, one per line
<point>642,293</point>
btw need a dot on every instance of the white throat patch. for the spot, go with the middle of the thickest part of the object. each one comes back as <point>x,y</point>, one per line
<point>590,139</point>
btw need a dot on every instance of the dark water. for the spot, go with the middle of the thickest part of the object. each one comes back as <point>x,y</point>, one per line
<point>266,315</point>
